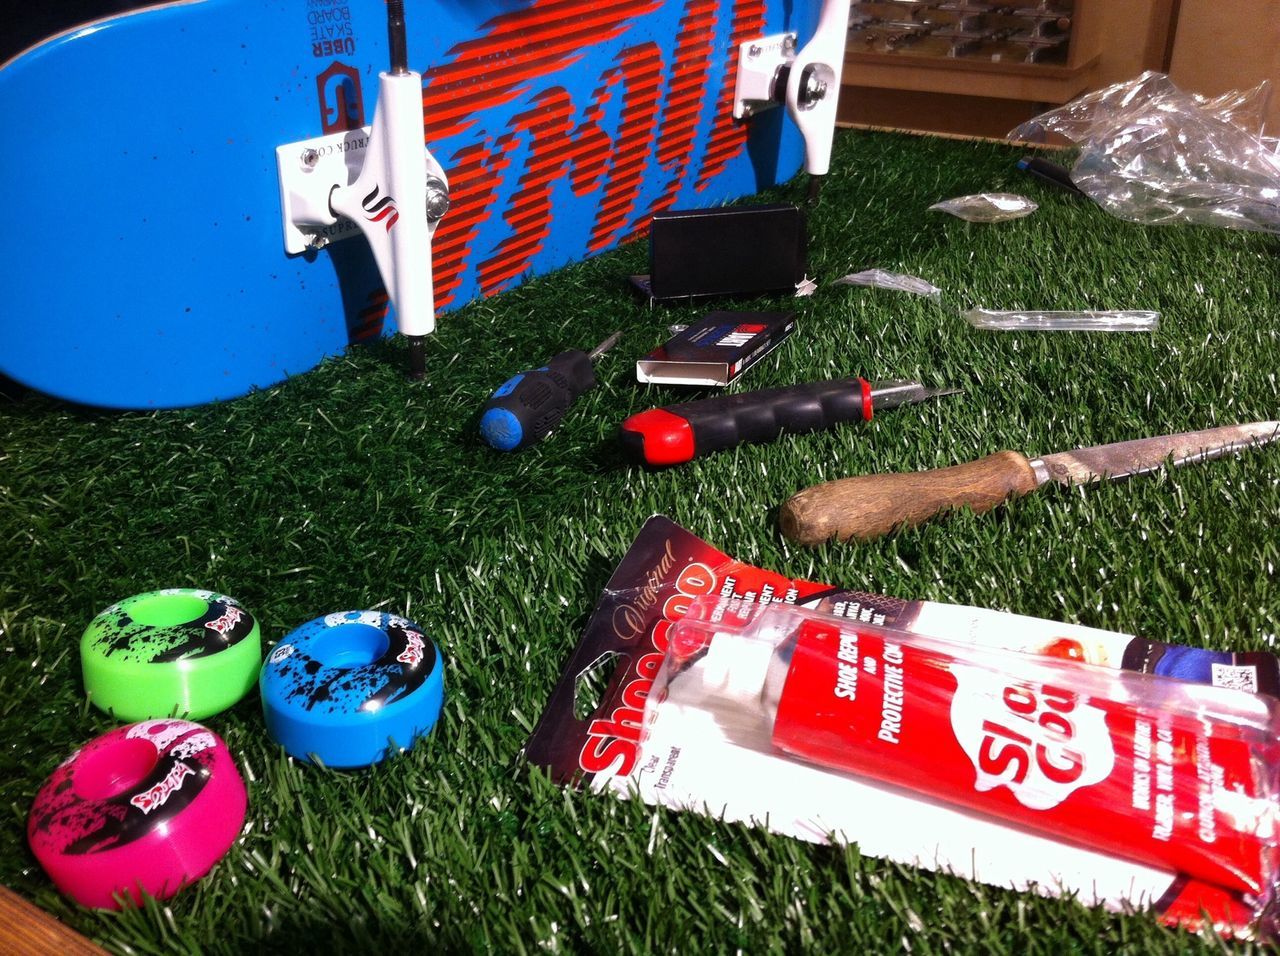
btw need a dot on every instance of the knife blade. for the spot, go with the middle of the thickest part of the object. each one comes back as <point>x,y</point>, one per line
<point>868,506</point>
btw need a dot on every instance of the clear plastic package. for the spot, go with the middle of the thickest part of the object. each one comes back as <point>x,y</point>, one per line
<point>1161,772</point>
<point>1125,320</point>
<point>987,207</point>
<point>880,279</point>
<point>1153,154</point>
<point>644,710</point>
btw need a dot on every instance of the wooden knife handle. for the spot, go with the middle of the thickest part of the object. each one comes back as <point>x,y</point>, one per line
<point>871,505</point>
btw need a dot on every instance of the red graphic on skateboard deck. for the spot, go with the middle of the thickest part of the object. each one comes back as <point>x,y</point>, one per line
<point>661,104</point>
<point>729,136</point>
<point>517,48</point>
<point>684,102</point>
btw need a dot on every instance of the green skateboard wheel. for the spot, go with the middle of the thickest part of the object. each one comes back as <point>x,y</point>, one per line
<point>179,652</point>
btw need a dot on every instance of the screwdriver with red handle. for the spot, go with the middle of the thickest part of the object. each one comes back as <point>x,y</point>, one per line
<point>674,434</point>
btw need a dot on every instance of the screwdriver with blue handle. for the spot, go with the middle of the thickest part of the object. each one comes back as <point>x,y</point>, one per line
<point>526,407</point>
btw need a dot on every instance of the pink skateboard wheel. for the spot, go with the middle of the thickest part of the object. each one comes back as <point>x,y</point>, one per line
<point>146,808</point>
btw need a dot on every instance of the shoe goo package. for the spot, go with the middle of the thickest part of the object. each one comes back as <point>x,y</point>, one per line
<point>1027,753</point>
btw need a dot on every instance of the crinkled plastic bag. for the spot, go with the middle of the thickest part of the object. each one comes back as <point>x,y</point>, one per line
<point>987,207</point>
<point>1153,154</point>
<point>880,279</point>
<point>806,287</point>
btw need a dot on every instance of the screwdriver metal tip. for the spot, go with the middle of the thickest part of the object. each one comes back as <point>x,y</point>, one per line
<point>891,394</point>
<point>604,346</point>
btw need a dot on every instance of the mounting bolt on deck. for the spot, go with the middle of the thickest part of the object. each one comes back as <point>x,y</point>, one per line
<point>437,198</point>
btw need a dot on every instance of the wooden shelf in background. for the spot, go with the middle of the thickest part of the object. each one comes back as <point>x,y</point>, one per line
<point>1008,81</point>
<point>971,95</point>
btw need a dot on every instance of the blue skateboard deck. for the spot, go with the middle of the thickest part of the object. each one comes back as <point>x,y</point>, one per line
<point>145,253</point>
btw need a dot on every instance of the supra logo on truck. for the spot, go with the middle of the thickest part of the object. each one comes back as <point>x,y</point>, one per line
<point>1040,741</point>
<point>380,209</point>
<point>613,743</point>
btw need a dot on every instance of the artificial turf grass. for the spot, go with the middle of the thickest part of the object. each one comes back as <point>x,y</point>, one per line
<point>348,488</point>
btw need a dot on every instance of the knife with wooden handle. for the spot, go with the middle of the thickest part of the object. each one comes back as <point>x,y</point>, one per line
<point>868,506</point>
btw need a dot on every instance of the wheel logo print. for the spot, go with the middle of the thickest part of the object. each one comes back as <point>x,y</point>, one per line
<point>379,209</point>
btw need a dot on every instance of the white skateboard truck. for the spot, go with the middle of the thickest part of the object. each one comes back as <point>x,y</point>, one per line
<point>383,182</point>
<point>771,72</point>
<point>375,180</point>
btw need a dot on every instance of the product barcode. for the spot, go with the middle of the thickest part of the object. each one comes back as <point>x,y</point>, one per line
<point>1236,677</point>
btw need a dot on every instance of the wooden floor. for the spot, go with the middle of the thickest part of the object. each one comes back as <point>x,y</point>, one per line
<point>26,930</point>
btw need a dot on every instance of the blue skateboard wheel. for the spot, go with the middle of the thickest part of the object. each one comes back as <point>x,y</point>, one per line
<point>349,688</point>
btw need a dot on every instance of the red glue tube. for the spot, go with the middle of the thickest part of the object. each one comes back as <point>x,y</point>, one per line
<point>1163,772</point>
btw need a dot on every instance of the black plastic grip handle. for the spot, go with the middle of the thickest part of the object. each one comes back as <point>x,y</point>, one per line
<point>527,407</point>
<point>679,433</point>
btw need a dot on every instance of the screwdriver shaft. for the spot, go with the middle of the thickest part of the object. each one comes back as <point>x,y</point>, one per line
<point>604,346</point>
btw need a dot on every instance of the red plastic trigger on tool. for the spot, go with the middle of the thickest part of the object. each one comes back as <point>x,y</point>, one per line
<point>666,438</point>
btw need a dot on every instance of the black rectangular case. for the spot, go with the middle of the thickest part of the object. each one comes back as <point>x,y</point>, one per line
<point>739,250</point>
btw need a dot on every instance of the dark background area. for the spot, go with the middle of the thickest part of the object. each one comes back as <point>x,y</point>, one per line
<point>26,23</point>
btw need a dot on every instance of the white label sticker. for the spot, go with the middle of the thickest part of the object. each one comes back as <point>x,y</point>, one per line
<point>338,618</point>
<point>280,653</point>
<point>162,732</point>
<point>1236,676</point>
